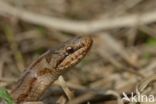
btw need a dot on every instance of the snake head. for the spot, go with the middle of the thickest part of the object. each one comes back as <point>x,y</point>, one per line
<point>71,52</point>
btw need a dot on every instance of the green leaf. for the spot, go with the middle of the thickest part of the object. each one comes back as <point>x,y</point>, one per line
<point>147,56</point>
<point>4,95</point>
<point>151,42</point>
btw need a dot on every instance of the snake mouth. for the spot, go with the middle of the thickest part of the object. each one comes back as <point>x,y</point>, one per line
<point>75,51</point>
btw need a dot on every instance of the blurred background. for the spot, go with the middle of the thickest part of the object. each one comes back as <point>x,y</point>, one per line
<point>122,59</point>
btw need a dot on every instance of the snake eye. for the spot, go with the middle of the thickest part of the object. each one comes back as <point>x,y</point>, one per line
<point>69,50</point>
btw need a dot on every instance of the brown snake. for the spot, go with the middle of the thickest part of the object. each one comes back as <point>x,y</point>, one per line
<point>48,67</point>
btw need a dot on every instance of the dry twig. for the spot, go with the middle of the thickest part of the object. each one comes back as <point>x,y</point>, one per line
<point>77,26</point>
